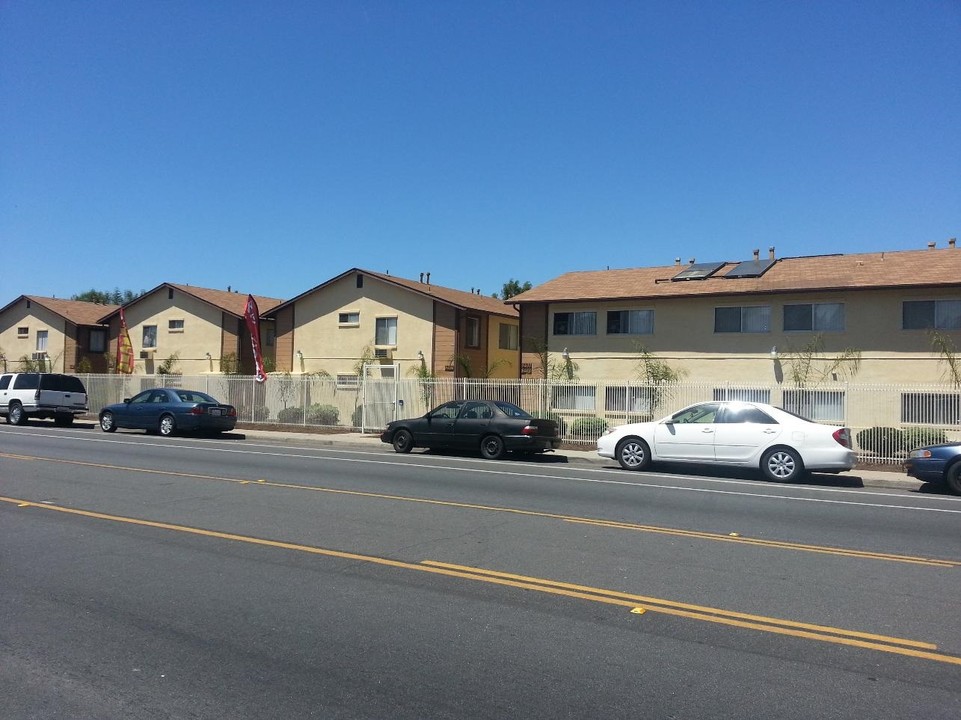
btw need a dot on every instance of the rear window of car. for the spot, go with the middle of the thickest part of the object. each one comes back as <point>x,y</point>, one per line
<point>61,383</point>
<point>511,410</point>
<point>5,381</point>
<point>26,381</point>
<point>72,384</point>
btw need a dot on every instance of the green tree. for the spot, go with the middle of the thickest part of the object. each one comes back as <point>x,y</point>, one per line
<point>114,297</point>
<point>809,366</point>
<point>944,346</point>
<point>511,288</point>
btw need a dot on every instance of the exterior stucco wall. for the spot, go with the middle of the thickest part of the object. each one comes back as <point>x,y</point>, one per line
<point>202,333</point>
<point>35,318</point>
<point>505,363</point>
<point>684,337</point>
<point>327,345</point>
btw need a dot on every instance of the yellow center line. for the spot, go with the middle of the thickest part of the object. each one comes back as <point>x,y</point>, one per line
<point>713,537</point>
<point>881,643</point>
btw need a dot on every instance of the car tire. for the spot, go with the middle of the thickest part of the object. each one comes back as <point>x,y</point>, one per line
<point>16,415</point>
<point>953,478</point>
<point>492,447</point>
<point>633,454</point>
<point>107,422</point>
<point>403,441</point>
<point>167,425</point>
<point>782,464</point>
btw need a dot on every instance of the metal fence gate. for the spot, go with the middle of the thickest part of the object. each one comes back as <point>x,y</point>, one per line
<point>379,401</point>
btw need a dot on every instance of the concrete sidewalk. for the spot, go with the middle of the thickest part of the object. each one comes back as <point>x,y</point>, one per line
<point>894,478</point>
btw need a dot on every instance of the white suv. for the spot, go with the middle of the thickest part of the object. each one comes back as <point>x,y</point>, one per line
<point>41,395</point>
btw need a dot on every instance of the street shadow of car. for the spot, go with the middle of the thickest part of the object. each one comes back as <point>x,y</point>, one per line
<point>739,473</point>
<point>539,458</point>
<point>931,488</point>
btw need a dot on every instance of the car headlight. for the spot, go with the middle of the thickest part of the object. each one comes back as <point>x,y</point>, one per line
<point>922,453</point>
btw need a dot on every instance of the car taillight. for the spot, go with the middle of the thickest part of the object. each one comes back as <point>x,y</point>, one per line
<point>842,436</point>
<point>529,430</point>
<point>196,411</point>
<point>232,412</point>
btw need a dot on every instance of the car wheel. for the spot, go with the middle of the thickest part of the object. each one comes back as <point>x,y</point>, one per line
<point>167,425</point>
<point>953,478</point>
<point>782,465</point>
<point>633,454</point>
<point>107,422</point>
<point>492,447</point>
<point>403,441</point>
<point>16,415</point>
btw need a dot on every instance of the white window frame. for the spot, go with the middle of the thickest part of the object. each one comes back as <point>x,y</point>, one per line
<point>389,325</point>
<point>23,331</point>
<point>579,322</point>
<point>173,327</point>
<point>149,334</point>
<point>574,397</point>
<point>348,318</point>
<point>43,337</point>
<point>816,405</point>
<point>348,381</point>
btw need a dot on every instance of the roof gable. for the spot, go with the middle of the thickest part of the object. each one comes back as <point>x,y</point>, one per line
<point>457,298</point>
<point>228,301</point>
<point>78,312</point>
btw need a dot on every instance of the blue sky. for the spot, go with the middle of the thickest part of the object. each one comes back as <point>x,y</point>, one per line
<point>270,146</point>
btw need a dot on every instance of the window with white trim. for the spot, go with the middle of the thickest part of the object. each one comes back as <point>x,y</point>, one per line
<point>23,331</point>
<point>756,319</point>
<point>42,340</point>
<point>760,395</point>
<point>348,319</point>
<point>630,322</point>
<point>575,323</point>
<point>348,381</point>
<point>931,315</point>
<point>149,336</point>
<point>175,326</point>
<point>508,337</point>
<point>817,405</point>
<point>819,317</point>
<point>931,408</point>
<point>574,397</point>
<point>385,331</point>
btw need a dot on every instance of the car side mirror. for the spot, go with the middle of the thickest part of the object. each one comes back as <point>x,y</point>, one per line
<point>127,400</point>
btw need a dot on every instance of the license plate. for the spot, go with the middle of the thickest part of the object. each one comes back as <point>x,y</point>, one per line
<point>216,411</point>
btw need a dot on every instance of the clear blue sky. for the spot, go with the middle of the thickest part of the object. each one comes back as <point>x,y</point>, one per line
<point>270,146</point>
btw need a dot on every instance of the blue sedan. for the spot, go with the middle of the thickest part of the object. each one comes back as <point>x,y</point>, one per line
<point>937,464</point>
<point>169,410</point>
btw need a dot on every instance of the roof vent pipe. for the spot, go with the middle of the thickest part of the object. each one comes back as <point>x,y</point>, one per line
<point>677,262</point>
<point>428,278</point>
<point>422,277</point>
<point>952,242</point>
<point>932,245</point>
<point>770,252</point>
<point>691,261</point>
<point>757,254</point>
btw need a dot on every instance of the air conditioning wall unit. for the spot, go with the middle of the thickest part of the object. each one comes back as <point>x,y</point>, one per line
<point>383,353</point>
<point>38,356</point>
<point>144,354</point>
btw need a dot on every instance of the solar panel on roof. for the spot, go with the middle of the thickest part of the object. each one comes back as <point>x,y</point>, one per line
<point>698,271</point>
<point>749,269</point>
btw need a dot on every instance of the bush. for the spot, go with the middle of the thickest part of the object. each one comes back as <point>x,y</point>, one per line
<point>291,415</point>
<point>323,415</point>
<point>260,413</point>
<point>886,441</point>
<point>591,426</point>
<point>918,436</point>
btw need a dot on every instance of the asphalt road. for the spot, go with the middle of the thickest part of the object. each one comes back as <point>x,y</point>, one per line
<point>147,577</point>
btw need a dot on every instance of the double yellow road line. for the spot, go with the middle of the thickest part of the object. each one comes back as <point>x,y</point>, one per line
<point>637,603</point>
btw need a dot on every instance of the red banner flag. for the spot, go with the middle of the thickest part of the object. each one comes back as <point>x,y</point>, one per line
<point>252,316</point>
<point>124,348</point>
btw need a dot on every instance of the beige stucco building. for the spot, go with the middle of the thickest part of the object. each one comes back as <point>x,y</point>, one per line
<point>362,315</point>
<point>53,334</point>
<point>191,330</point>
<point>758,321</point>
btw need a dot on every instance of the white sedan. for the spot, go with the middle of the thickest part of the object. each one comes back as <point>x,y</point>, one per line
<point>782,445</point>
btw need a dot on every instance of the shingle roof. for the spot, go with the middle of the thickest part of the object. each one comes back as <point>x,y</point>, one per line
<point>458,298</point>
<point>79,312</point>
<point>227,300</point>
<point>909,268</point>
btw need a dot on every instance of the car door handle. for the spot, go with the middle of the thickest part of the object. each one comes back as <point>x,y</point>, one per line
<point>707,430</point>
<point>769,431</point>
